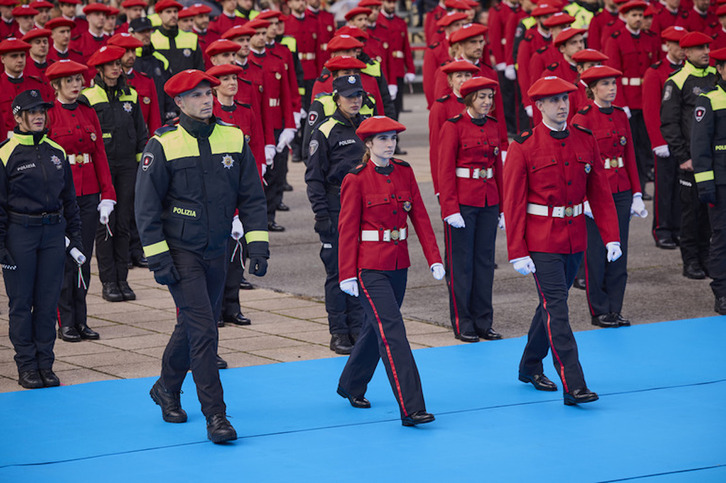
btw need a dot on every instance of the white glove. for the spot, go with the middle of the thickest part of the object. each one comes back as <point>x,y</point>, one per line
<point>438,271</point>
<point>297,116</point>
<point>510,73</point>
<point>270,154</point>
<point>627,112</point>
<point>409,77</point>
<point>303,113</point>
<point>286,137</point>
<point>662,151</point>
<point>588,211</point>
<point>455,220</point>
<point>528,109</point>
<point>502,224</point>
<point>614,251</point>
<point>393,90</point>
<point>504,157</point>
<point>105,207</point>
<point>350,286</point>
<point>237,228</point>
<point>524,265</point>
<point>637,208</point>
<point>501,67</point>
<point>263,170</point>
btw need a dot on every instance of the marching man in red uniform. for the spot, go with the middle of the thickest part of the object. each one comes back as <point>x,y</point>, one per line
<point>13,55</point>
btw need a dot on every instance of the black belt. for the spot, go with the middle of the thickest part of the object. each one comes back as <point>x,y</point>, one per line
<point>36,220</point>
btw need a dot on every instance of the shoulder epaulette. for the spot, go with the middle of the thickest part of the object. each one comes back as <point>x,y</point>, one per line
<point>324,77</point>
<point>76,51</point>
<point>684,14</point>
<point>656,65</point>
<point>4,142</point>
<point>358,168</point>
<point>443,99</point>
<point>274,54</point>
<point>434,45</point>
<point>583,129</point>
<point>553,66</point>
<point>223,123</point>
<point>82,99</point>
<point>523,136</point>
<point>242,104</point>
<point>36,78</point>
<point>245,81</point>
<point>615,34</point>
<point>492,118</point>
<point>528,36</point>
<point>542,49</point>
<point>455,118</point>
<point>255,63</point>
<point>142,74</point>
<point>165,129</point>
<point>585,109</point>
<point>400,162</point>
<point>619,108</point>
<point>76,37</point>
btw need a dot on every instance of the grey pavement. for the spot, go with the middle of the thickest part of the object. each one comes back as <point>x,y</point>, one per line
<point>288,316</point>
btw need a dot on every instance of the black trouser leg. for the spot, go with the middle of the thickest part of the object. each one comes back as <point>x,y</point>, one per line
<point>508,99</point>
<point>112,252</point>
<point>235,271</point>
<point>641,143</point>
<point>136,251</point>
<point>275,181</point>
<point>717,263</point>
<point>398,101</point>
<point>667,204</point>
<point>695,227</point>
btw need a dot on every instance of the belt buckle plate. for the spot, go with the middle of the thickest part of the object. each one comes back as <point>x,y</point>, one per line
<point>395,235</point>
<point>614,163</point>
<point>568,211</point>
<point>483,174</point>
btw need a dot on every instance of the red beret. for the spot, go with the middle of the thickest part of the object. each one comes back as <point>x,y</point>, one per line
<point>164,4</point>
<point>566,35</point>
<point>70,2</point>
<point>221,46</point>
<point>620,2</point>
<point>549,86</point>
<point>106,54</point>
<point>64,68</point>
<point>673,33</point>
<point>459,66</point>
<point>358,11</point>
<point>343,42</point>
<point>265,14</point>
<point>456,5</point>
<point>473,4</point>
<point>40,4</point>
<point>559,18</point>
<point>127,41</point>
<point>24,11</point>
<point>467,32</point>
<point>378,124</point>
<point>694,39</point>
<point>8,3</point>
<point>95,8</point>
<point>545,9</point>
<point>589,55</point>
<point>718,54</point>
<point>354,32</point>
<point>258,23</point>
<point>113,11</point>
<point>370,3</point>
<point>632,5</point>
<point>134,3</point>
<point>36,33</point>
<point>54,23</point>
<point>200,8</point>
<point>450,18</point>
<point>476,84</point>
<point>187,80</point>
<point>11,44</point>
<point>650,11</point>
<point>342,62</point>
<point>239,31</point>
<point>187,12</point>
<point>721,10</point>
<point>224,69</point>
<point>597,72</point>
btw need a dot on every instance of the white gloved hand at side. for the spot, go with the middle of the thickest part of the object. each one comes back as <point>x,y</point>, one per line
<point>350,286</point>
<point>627,112</point>
<point>297,116</point>
<point>502,224</point>
<point>637,208</point>
<point>510,73</point>
<point>504,157</point>
<point>286,137</point>
<point>501,67</point>
<point>270,152</point>
<point>393,90</point>
<point>524,265</point>
<point>303,113</point>
<point>587,210</point>
<point>614,251</point>
<point>662,151</point>
<point>105,208</point>
<point>528,109</point>
<point>237,228</point>
<point>437,269</point>
<point>455,220</point>
<point>409,77</point>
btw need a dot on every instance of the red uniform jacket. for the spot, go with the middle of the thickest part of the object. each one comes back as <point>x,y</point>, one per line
<point>248,94</point>
<point>435,56</point>
<point>693,21</point>
<point>375,48</point>
<point>510,32</point>
<point>253,73</point>
<point>326,31</point>
<point>602,20</point>
<point>615,141</point>
<point>444,108</point>
<point>223,23</point>
<point>544,170</point>
<point>543,58</point>
<point>206,38</point>
<point>463,144</point>
<point>148,98</point>
<point>532,41</point>
<point>653,83</point>
<point>242,116</point>
<point>8,29</point>
<point>400,58</point>
<point>324,84</point>
<point>719,39</point>
<point>563,70</point>
<point>284,53</point>
<point>9,88</point>
<point>277,90</point>
<point>305,30</point>
<point>74,55</point>
<point>432,17</point>
<point>374,201</point>
<point>76,128</point>
<point>631,55</point>
<point>37,71</point>
<point>498,17</point>
<point>87,43</point>
<point>664,18</point>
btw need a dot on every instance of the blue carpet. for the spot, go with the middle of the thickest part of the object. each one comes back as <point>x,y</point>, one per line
<point>661,417</point>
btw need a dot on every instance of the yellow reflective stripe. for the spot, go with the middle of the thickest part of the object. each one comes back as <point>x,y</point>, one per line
<point>95,95</point>
<point>160,41</point>
<point>107,135</point>
<point>186,40</point>
<point>155,19</point>
<point>156,249</point>
<point>133,96</point>
<point>7,149</point>
<point>327,126</point>
<point>54,144</point>
<point>24,139</point>
<point>705,176</point>
<point>301,90</point>
<point>373,69</point>
<point>178,144</point>
<point>257,236</point>
<point>717,98</point>
<point>226,139</point>
<point>289,42</point>
<point>138,157</point>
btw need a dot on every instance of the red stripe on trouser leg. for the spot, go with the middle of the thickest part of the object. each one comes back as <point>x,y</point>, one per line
<point>385,343</point>
<point>57,311</point>
<point>450,256</point>
<point>549,335</point>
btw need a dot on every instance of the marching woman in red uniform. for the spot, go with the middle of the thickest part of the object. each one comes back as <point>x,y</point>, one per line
<point>470,193</point>
<point>606,281</point>
<point>74,125</point>
<point>377,198</point>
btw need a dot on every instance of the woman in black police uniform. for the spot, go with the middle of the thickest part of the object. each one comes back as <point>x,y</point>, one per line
<point>37,211</point>
<point>335,149</point>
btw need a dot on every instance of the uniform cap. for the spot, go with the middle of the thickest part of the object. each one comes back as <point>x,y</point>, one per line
<point>64,68</point>
<point>186,12</point>
<point>673,33</point>
<point>459,66</point>
<point>28,100</point>
<point>559,18</point>
<point>545,9</point>
<point>187,80</point>
<point>467,32</point>
<point>36,33</point>
<point>650,11</point>
<point>450,18</point>
<point>141,24</point>
<point>358,11</point>
<point>476,84</point>
<point>549,86</point>
<point>567,34</point>
<point>632,5</point>
<point>221,46</point>
<point>224,69</point>
<point>354,32</point>
<point>258,23</point>
<point>133,3</point>
<point>11,44</point>
<point>370,3</point>
<point>456,5</point>
<point>378,124</point>
<point>473,4</point>
<point>344,42</point>
<point>348,86</point>
<point>24,11</point>
<point>266,14</point>
<point>70,2</point>
<point>106,54</point>
<point>40,4</point>
<point>113,11</point>
<point>597,72</point>
<point>127,41</point>
<point>344,62</point>
<point>200,8</point>
<point>96,8</point>
<point>694,39</point>
<point>589,55</point>
<point>721,10</point>
<point>239,31</point>
<point>164,4</point>
<point>54,23</point>
<point>718,54</point>
<point>8,3</point>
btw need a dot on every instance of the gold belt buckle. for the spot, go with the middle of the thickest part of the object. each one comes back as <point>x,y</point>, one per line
<point>614,163</point>
<point>395,234</point>
<point>483,174</point>
<point>568,211</point>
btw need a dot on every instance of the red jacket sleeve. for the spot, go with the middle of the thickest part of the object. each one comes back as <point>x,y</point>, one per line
<point>448,144</point>
<point>349,227</point>
<point>515,202</point>
<point>422,224</point>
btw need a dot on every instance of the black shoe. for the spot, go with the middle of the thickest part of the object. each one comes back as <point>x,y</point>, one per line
<point>720,305</point>
<point>111,292</point>
<point>580,396</point>
<point>219,430</point>
<point>419,417</point>
<point>355,401</point>
<point>30,380</point>
<point>87,333</point>
<point>605,320</point>
<point>647,197</point>
<point>354,336</point>
<point>140,262</point>
<point>489,334</point>
<point>282,207</point>
<point>170,403</point>
<point>69,334</point>
<point>245,285</point>
<point>221,363</point>
<point>693,271</point>
<point>126,291</point>
<point>340,344</point>
<point>220,323</point>
<point>287,186</point>
<point>580,283</point>
<point>463,337</point>
<point>237,319</point>
<point>666,244</point>
<point>622,321</point>
<point>49,378</point>
<point>539,381</point>
<point>272,226</point>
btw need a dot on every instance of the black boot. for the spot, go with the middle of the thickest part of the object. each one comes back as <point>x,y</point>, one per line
<point>170,403</point>
<point>111,292</point>
<point>219,430</point>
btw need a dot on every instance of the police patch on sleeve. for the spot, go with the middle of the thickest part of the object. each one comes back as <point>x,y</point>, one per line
<point>667,92</point>
<point>699,113</point>
<point>227,161</point>
<point>313,146</point>
<point>146,161</point>
<point>312,117</point>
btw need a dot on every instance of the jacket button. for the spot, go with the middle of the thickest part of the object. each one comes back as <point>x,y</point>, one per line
<point>388,181</point>
<point>369,202</point>
<point>394,212</point>
<point>566,163</point>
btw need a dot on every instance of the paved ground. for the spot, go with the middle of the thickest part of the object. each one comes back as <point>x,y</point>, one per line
<point>288,317</point>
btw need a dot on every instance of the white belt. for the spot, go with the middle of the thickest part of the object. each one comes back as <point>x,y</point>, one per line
<point>614,162</point>
<point>397,54</point>
<point>274,102</point>
<point>632,81</point>
<point>557,211</point>
<point>310,56</point>
<point>475,173</point>
<point>388,235</point>
<point>84,158</point>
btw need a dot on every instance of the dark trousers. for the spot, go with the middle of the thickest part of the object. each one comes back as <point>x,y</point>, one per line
<point>470,268</point>
<point>235,273</point>
<point>667,204</point>
<point>695,227</point>
<point>384,336</point>
<point>398,101</point>
<point>193,344</point>
<point>72,310</point>
<point>717,259</point>
<point>606,280</point>
<point>551,324</point>
<point>112,252</point>
<point>136,251</point>
<point>275,179</point>
<point>299,151</point>
<point>509,100</point>
<point>641,143</point>
<point>33,289</point>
